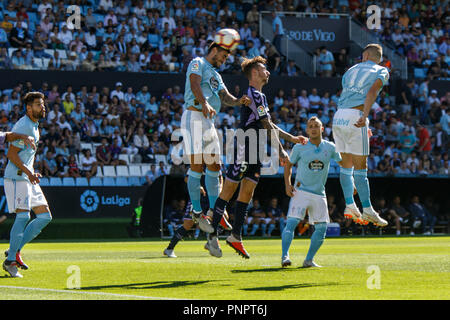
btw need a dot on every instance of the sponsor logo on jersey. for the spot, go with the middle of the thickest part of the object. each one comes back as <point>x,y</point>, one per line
<point>261,111</point>
<point>214,83</point>
<point>195,66</point>
<point>316,165</point>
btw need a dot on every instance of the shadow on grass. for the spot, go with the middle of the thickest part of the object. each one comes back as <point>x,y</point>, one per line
<point>149,285</point>
<point>293,286</point>
<point>266,270</point>
<point>165,257</point>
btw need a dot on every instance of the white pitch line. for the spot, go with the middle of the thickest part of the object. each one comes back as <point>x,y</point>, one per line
<point>75,291</point>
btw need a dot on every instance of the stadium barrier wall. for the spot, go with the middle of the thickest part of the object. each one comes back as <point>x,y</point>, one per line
<point>88,202</point>
<point>158,83</point>
<point>165,189</point>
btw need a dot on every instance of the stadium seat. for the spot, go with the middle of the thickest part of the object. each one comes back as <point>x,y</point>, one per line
<point>135,171</point>
<point>55,182</point>
<point>420,73</point>
<point>160,157</point>
<point>109,171</point>
<point>134,181</point>
<point>68,181</point>
<point>122,181</point>
<point>96,182</point>
<point>81,182</point>
<point>124,157</point>
<point>50,51</point>
<point>86,146</point>
<point>1,182</point>
<point>11,51</point>
<point>62,54</point>
<point>122,171</point>
<point>39,64</point>
<point>144,169</point>
<point>109,182</point>
<point>44,182</point>
<point>99,172</point>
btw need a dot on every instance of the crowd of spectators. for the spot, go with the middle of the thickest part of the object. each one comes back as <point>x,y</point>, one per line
<point>157,35</point>
<point>409,136</point>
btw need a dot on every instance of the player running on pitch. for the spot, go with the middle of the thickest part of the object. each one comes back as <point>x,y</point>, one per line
<point>245,170</point>
<point>308,191</point>
<point>204,95</point>
<point>360,87</point>
<point>22,189</point>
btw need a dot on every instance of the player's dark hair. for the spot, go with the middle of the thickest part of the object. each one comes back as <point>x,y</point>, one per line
<point>248,65</point>
<point>31,96</point>
<point>215,45</point>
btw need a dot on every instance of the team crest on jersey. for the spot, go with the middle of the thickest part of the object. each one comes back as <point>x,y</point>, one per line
<point>214,83</point>
<point>195,66</point>
<point>261,110</point>
<point>316,165</point>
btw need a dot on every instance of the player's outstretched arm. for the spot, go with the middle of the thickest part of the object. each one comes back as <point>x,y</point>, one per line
<point>271,130</point>
<point>13,156</point>
<point>229,100</point>
<point>13,136</point>
<point>368,103</point>
<point>287,136</point>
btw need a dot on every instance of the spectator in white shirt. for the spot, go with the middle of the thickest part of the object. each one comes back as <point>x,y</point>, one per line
<point>117,92</point>
<point>110,16</point>
<point>230,117</point>
<point>245,32</point>
<point>42,8</point>
<point>168,19</point>
<point>65,36</point>
<point>105,5</point>
<point>303,100</point>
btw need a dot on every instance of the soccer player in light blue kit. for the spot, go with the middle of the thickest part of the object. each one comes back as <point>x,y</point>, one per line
<point>205,93</point>
<point>308,192</point>
<point>360,87</point>
<point>21,184</point>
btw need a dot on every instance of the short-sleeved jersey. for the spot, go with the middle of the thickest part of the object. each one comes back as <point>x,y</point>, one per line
<point>257,110</point>
<point>30,128</point>
<point>313,164</point>
<point>357,82</point>
<point>211,84</point>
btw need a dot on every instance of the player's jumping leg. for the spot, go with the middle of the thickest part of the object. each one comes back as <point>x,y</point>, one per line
<point>346,179</point>
<point>362,186</point>
<point>286,240</point>
<point>193,184</point>
<point>317,239</point>
<point>245,195</point>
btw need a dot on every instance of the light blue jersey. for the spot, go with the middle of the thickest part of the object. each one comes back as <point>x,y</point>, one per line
<point>211,84</point>
<point>30,128</point>
<point>357,81</point>
<point>313,165</point>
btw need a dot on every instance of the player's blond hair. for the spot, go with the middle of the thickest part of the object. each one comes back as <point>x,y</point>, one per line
<point>314,119</point>
<point>248,65</point>
<point>375,51</point>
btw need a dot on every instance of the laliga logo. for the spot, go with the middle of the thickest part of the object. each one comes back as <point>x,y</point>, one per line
<point>89,201</point>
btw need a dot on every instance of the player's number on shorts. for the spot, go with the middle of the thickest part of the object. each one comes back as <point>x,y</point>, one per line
<point>244,167</point>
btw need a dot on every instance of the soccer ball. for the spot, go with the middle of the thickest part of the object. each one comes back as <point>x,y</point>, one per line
<point>227,38</point>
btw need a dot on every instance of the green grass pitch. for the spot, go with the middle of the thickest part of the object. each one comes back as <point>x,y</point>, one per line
<point>409,268</point>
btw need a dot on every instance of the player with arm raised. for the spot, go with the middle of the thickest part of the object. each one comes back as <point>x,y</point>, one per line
<point>204,94</point>
<point>243,171</point>
<point>21,184</point>
<point>308,191</point>
<point>360,87</point>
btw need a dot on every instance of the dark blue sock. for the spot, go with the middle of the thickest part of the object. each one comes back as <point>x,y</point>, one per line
<point>240,211</point>
<point>179,234</point>
<point>219,209</point>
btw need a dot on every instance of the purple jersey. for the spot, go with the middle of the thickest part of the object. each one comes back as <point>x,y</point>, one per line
<point>257,110</point>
